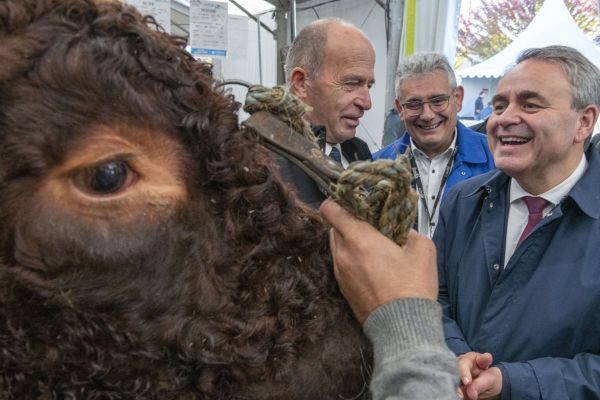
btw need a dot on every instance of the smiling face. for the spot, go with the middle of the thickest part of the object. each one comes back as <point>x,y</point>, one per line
<point>534,133</point>
<point>431,131</point>
<point>339,95</point>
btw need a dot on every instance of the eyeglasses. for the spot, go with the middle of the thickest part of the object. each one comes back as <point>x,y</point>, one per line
<point>415,107</point>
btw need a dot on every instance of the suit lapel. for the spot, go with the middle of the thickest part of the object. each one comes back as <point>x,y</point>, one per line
<point>349,151</point>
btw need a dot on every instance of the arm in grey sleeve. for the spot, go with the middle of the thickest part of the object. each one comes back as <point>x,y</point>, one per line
<point>410,356</point>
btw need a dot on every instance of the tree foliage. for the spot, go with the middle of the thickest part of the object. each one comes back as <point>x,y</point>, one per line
<point>493,25</point>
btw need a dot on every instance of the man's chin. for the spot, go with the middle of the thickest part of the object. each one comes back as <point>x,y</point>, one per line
<point>342,135</point>
<point>511,167</point>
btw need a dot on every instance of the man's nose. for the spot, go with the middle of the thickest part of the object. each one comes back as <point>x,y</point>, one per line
<point>510,116</point>
<point>427,112</point>
<point>363,100</point>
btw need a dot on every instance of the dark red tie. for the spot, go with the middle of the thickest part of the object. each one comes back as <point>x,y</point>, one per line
<point>536,207</point>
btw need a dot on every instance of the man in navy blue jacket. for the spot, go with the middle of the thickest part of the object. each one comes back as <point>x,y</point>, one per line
<point>442,151</point>
<point>519,248</point>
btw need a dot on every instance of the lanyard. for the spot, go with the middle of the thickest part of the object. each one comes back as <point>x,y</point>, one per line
<point>419,184</point>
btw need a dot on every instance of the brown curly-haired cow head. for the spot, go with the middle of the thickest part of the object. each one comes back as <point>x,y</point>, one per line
<point>147,249</point>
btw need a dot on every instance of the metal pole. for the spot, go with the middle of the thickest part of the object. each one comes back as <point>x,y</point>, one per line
<point>238,5</point>
<point>281,36</point>
<point>260,77</point>
<point>292,20</point>
<point>396,29</point>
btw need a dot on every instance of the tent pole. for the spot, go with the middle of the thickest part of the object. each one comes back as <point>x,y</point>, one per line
<point>260,76</point>
<point>396,33</point>
<point>238,5</point>
<point>292,20</point>
<point>281,37</point>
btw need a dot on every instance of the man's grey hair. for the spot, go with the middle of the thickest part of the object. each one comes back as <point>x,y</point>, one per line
<point>583,76</point>
<point>308,49</point>
<point>423,63</point>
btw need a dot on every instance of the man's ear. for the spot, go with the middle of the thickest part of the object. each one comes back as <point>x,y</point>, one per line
<point>399,108</point>
<point>459,95</point>
<point>299,82</point>
<point>587,121</point>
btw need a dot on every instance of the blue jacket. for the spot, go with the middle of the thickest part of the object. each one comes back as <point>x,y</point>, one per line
<point>473,156</point>
<point>540,315</point>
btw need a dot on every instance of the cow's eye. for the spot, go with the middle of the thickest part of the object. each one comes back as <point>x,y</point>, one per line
<point>104,179</point>
<point>108,178</point>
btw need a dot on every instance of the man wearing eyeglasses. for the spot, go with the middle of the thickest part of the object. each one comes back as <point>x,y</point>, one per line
<point>441,150</point>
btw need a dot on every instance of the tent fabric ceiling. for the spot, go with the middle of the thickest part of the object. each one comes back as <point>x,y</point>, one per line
<point>553,25</point>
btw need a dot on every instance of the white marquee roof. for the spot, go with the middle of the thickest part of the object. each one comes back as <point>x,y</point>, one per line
<point>553,25</point>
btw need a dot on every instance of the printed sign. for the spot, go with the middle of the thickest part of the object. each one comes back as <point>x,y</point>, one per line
<point>208,28</point>
<point>159,9</point>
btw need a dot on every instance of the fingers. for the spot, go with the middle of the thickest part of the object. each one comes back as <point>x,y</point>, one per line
<point>335,251</point>
<point>471,364</point>
<point>487,385</point>
<point>348,226</point>
<point>333,244</point>
<point>484,360</point>
<point>465,366</point>
<point>337,217</point>
<point>421,244</point>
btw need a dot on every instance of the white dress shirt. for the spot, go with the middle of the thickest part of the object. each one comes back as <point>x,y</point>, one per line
<point>431,172</point>
<point>518,213</point>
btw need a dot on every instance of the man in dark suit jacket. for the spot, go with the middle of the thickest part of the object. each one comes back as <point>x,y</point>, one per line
<point>330,66</point>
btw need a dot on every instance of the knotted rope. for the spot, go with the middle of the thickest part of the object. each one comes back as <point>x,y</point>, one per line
<point>378,192</point>
<point>280,102</point>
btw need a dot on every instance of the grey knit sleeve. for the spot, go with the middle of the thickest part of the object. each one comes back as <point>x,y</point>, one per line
<point>411,358</point>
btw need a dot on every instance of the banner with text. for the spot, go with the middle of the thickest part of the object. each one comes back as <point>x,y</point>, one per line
<point>159,9</point>
<point>208,28</point>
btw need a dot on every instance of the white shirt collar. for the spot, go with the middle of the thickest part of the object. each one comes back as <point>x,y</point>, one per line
<point>518,213</point>
<point>558,192</point>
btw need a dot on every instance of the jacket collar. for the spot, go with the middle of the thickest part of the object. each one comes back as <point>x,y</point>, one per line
<point>585,193</point>
<point>496,182</point>
<point>471,149</point>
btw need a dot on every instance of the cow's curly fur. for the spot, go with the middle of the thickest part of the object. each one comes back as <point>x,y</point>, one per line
<point>197,275</point>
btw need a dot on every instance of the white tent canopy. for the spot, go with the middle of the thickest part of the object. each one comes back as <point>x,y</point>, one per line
<point>553,25</point>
